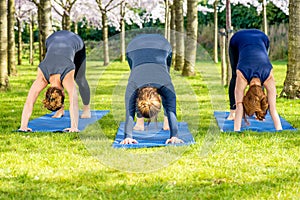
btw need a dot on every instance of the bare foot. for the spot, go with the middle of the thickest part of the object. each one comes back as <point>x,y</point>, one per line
<point>139,126</point>
<point>86,112</point>
<point>166,126</point>
<point>59,114</point>
<point>231,115</point>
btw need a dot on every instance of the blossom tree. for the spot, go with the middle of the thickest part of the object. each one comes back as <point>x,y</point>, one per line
<point>112,14</point>
<point>63,9</point>
<point>86,11</point>
<point>115,14</point>
<point>105,7</point>
<point>44,23</point>
<point>129,16</point>
<point>25,10</point>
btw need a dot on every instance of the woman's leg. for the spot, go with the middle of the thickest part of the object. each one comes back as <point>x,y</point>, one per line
<point>233,55</point>
<point>80,78</point>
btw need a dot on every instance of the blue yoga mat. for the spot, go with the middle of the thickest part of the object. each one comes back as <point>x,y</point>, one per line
<point>259,126</point>
<point>46,123</point>
<point>153,136</point>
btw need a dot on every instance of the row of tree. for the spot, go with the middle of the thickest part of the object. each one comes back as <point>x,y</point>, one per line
<point>60,14</point>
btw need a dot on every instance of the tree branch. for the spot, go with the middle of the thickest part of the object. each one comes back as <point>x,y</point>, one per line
<point>57,11</point>
<point>59,3</point>
<point>106,7</point>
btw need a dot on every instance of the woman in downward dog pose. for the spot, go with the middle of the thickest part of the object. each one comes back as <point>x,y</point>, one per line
<point>64,64</point>
<point>149,57</point>
<point>248,51</point>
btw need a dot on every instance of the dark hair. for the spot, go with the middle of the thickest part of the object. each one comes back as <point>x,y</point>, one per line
<point>148,102</point>
<point>54,99</point>
<point>255,101</point>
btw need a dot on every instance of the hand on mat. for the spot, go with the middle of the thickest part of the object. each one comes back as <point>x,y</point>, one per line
<point>174,140</point>
<point>25,129</point>
<point>129,141</point>
<point>71,130</point>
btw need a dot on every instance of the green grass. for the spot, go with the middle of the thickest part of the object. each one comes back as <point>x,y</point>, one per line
<point>84,166</point>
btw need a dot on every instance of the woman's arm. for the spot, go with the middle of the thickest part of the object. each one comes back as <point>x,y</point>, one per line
<point>69,84</point>
<point>169,102</point>
<point>38,85</point>
<point>240,86</point>
<point>130,106</point>
<point>271,92</point>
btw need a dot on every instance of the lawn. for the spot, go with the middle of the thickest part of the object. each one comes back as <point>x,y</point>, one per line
<point>84,165</point>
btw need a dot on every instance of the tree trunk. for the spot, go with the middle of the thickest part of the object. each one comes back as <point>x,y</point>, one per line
<point>63,21</point>
<point>105,39</point>
<point>3,45</point>
<point>173,34</point>
<point>223,56</point>
<point>191,42</point>
<point>19,41</point>
<point>229,34</point>
<point>291,87</point>
<point>122,34</point>
<point>179,35</point>
<point>265,23</point>
<point>31,40</point>
<point>66,21</point>
<point>167,19</point>
<point>169,22</point>
<point>216,31</point>
<point>41,48</point>
<point>46,24</point>
<point>75,27</point>
<point>12,70</point>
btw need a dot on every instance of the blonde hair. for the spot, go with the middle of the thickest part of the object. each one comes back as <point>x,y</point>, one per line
<point>255,101</point>
<point>148,102</point>
<point>54,99</point>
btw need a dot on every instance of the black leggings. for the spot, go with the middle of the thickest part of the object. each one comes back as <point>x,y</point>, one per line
<point>80,78</point>
<point>234,57</point>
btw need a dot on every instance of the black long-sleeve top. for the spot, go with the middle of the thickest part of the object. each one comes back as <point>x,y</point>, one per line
<point>149,57</point>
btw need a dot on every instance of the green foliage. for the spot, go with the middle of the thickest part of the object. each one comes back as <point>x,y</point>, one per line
<point>219,166</point>
<point>244,17</point>
<point>275,15</point>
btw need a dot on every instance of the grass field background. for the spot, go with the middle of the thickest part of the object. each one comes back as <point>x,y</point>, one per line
<point>84,166</point>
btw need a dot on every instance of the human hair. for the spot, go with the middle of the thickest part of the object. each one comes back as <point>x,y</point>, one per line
<point>54,99</point>
<point>255,101</point>
<point>148,102</point>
